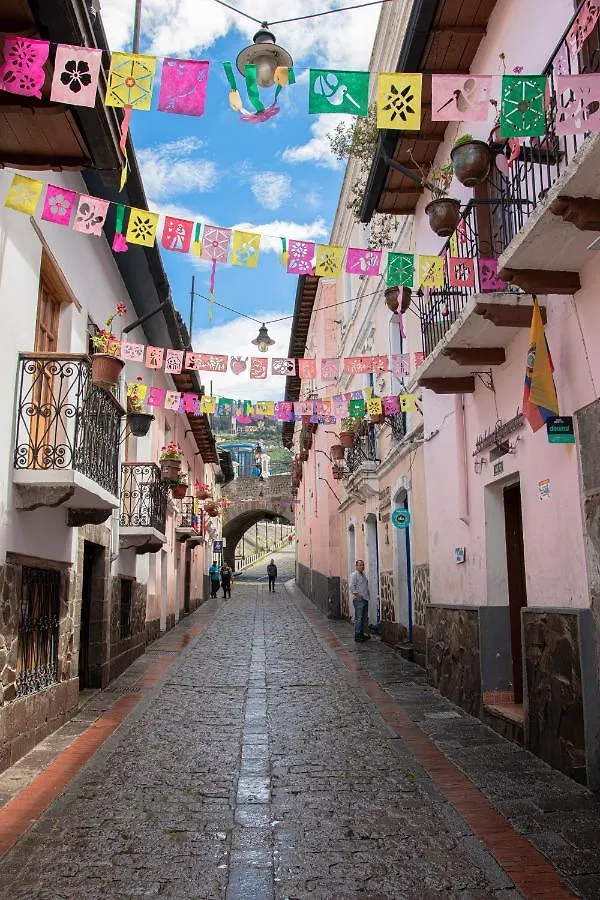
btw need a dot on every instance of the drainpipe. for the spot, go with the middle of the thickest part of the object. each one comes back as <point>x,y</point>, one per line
<point>461,456</point>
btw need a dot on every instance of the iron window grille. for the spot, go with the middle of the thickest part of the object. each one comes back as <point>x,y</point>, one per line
<point>143,497</point>
<point>363,450</point>
<point>39,618</point>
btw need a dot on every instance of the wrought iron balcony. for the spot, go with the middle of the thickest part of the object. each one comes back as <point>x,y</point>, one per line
<point>188,524</point>
<point>143,519</point>
<point>363,452</point>
<point>67,438</point>
<point>397,423</point>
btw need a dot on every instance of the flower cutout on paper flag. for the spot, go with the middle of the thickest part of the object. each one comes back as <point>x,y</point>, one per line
<point>578,98</point>
<point>460,98</point>
<point>336,91</point>
<point>400,270</point>
<point>363,262</point>
<point>177,235</point>
<point>374,406</point>
<point>173,400</point>
<point>259,367</point>
<point>156,396</point>
<point>130,80</point>
<point>283,366</point>
<point>215,243</point>
<point>300,257</point>
<point>431,271</point>
<point>24,194</point>
<point>245,248</point>
<point>142,227</point>
<point>399,100</point>
<point>183,86</point>
<point>58,205</point>
<point>523,106</point>
<point>76,72</point>
<point>391,406</point>
<point>132,352</point>
<point>461,272</point>
<point>23,69</point>
<point>90,215</point>
<point>329,260</point>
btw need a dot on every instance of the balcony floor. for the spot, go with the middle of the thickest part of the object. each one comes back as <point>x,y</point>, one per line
<point>62,487</point>
<point>140,539</point>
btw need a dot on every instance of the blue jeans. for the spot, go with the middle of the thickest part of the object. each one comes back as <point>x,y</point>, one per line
<point>361,616</point>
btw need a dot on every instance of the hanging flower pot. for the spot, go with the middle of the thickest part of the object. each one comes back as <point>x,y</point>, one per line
<point>337,451</point>
<point>391,298</point>
<point>169,469</point>
<point>139,423</point>
<point>203,494</point>
<point>444,215</point>
<point>377,419</point>
<point>304,455</point>
<point>406,299</point>
<point>179,491</point>
<point>211,510</point>
<point>106,368</point>
<point>346,438</point>
<point>471,162</point>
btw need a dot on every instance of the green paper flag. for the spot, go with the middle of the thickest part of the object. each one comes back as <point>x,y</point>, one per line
<point>400,270</point>
<point>336,91</point>
<point>356,409</point>
<point>523,106</point>
<point>252,88</point>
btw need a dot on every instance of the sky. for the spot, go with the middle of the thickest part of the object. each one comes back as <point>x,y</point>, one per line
<point>279,177</point>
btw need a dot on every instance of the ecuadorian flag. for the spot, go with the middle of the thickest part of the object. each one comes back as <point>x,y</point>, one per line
<point>539,396</point>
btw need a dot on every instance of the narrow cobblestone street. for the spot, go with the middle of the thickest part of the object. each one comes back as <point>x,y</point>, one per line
<point>275,758</point>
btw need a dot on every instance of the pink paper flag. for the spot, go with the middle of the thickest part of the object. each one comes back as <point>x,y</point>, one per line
<point>301,255</point>
<point>215,243</point>
<point>154,357</point>
<point>76,71</point>
<point>307,368</point>
<point>259,367</point>
<point>330,369</point>
<point>460,98</point>
<point>156,396</point>
<point>173,400</point>
<point>90,215</point>
<point>284,411</point>
<point>177,235</point>
<point>213,362</point>
<point>577,95</point>
<point>401,365</point>
<point>23,69</point>
<point>283,366</point>
<point>191,404</point>
<point>461,272</point>
<point>322,407</point>
<point>363,262</point>
<point>419,358</point>
<point>58,205</point>
<point>174,362</point>
<point>380,364</point>
<point>183,86</point>
<point>583,26</point>
<point>358,365</point>
<point>391,406</point>
<point>132,352</point>
<point>488,275</point>
<point>298,407</point>
<point>192,361</point>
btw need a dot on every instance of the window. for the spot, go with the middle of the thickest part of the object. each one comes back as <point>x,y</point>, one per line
<point>125,608</point>
<point>39,611</point>
<point>54,293</point>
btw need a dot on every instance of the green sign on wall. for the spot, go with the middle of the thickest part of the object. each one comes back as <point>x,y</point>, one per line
<point>560,430</point>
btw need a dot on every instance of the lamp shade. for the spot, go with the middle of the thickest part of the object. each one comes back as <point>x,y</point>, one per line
<point>266,56</point>
<point>262,340</point>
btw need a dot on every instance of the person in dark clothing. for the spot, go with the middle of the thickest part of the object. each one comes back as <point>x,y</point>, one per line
<point>215,580</point>
<point>226,580</point>
<point>272,573</point>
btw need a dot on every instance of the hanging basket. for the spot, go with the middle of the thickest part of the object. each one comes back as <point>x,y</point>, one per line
<point>444,215</point>
<point>337,451</point>
<point>179,491</point>
<point>347,438</point>
<point>471,162</point>
<point>169,469</point>
<point>106,368</point>
<point>203,495</point>
<point>391,298</point>
<point>211,510</point>
<point>406,299</point>
<point>377,419</point>
<point>139,423</point>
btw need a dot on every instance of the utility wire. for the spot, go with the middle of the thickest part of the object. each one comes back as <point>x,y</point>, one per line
<point>326,12</point>
<point>241,12</point>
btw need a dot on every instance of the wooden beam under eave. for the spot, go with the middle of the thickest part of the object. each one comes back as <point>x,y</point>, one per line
<point>476,356</point>
<point>582,212</point>
<point>508,316</point>
<point>465,385</point>
<point>542,281</point>
<point>41,162</point>
<point>461,30</point>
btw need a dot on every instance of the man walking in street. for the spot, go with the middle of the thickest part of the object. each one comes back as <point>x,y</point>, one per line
<point>215,579</point>
<point>272,573</point>
<point>226,580</point>
<point>359,591</point>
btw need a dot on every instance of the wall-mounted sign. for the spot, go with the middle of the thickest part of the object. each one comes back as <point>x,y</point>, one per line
<point>460,554</point>
<point>498,468</point>
<point>544,489</point>
<point>401,518</point>
<point>217,546</point>
<point>560,430</point>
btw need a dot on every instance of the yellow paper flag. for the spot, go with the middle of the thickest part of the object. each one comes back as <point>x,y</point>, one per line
<point>374,406</point>
<point>130,80</point>
<point>208,405</point>
<point>142,227</point>
<point>24,194</point>
<point>431,271</point>
<point>329,260</point>
<point>245,248</point>
<point>407,402</point>
<point>399,100</point>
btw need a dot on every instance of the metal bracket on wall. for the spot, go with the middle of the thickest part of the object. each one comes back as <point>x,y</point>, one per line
<point>487,379</point>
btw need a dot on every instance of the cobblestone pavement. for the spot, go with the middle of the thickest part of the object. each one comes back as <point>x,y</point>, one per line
<point>259,767</point>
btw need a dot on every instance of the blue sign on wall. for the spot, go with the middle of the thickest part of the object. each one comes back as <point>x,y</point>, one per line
<point>217,546</point>
<point>401,518</point>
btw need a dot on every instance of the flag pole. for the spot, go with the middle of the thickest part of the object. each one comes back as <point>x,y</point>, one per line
<point>137,24</point>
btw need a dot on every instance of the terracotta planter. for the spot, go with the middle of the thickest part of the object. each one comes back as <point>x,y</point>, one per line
<point>471,162</point>
<point>337,451</point>
<point>304,455</point>
<point>211,510</point>
<point>391,298</point>
<point>406,299</point>
<point>346,438</point>
<point>203,495</point>
<point>444,215</point>
<point>106,368</point>
<point>308,441</point>
<point>139,423</point>
<point>179,491</point>
<point>169,469</point>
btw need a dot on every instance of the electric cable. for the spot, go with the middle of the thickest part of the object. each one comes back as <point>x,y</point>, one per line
<point>326,12</point>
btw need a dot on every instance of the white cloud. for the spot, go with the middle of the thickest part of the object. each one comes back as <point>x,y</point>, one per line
<point>309,232</point>
<point>235,338</point>
<point>318,149</point>
<point>271,188</point>
<point>174,168</point>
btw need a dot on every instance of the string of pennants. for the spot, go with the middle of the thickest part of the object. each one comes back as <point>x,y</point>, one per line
<point>86,214</point>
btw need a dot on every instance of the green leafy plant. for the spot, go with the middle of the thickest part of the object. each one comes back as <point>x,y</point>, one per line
<point>135,400</point>
<point>171,451</point>
<point>463,139</point>
<point>105,341</point>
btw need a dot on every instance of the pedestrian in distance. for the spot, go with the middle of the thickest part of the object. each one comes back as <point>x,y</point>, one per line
<point>226,580</point>
<point>215,579</point>
<point>272,573</point>
<point>359,589</point>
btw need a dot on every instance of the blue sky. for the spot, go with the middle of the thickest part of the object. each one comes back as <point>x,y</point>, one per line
<point>278,176</point>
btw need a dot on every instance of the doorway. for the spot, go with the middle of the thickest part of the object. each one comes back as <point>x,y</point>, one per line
<point>372,562</point>
<point>403,568</point>
<point>91,644</point>
<point>517,588</point>
<point>351,564</point>
<point>164,588</point>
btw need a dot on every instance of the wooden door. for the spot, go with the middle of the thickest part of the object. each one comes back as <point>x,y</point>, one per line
<point>517,590</point>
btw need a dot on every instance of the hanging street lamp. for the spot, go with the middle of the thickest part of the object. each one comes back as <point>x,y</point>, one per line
<point>265,55</point>
<point>262,340</point>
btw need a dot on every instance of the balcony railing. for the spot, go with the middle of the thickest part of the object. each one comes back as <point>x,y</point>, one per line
<point>397,423</point>
<point>143,497</point>
<point>64,421</point>
<point>363,450</point>
<point>187,518</point>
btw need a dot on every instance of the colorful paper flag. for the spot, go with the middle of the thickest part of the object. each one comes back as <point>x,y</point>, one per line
<point>183,86</point>
<point>24,194</point>
<point>132,352</point>
<point>400,270</point>
<point>523,106</point>
<point>578,99</point>
<point>58,205</point>
<point>301,256</point>
<point>461,272</point>
<point>356,408</point>
<point>245,248</point>
<point>540,401</point>
<point>177,234</point>
<point>329,260</point>
<point>192,361</point>
<point>174,362</point>
<point>330,369</point>
<point>141,228</point>
<point>156,396</point>
<point>137,389</point>
<point>154,357</point>
<point>488,276</point>
<point>307,369</point>
<point>130,80</point>
<point>173,400</point>
<point>283,366</point>
<point>363,262</point>
<point>375,406</point>
<point>391,406</point>
<point>213,362</point>
<point>76,72</point>
<point>91,215</point>
<point>215,243</point>
<point>358,365</point>
<point>431,271</point>
<point>191,404</point>
<point>208,405</point>
<point>259,367</point>
<point>399,100</point>
<point>407,402</point>
<point>338,91</point>
<point>23,69</point>
<point>460,98</point>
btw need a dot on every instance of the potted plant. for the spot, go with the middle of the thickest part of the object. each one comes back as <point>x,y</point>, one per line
<point>211,509</point>
<point>337,451</point>
<point>106,362</point>
<point>443,211</point>
<point>170,462</point>
<point>348,431</point>
<point>203,491</point>
<point>391,295</point>
<point>179,487</point>
<point>138,420</point>
<point>471,160</point>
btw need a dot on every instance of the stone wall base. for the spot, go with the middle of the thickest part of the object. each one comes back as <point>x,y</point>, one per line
<point>27,721</point>
<point>152,630</point>
<point>323,590</point>
<point>125,652</point>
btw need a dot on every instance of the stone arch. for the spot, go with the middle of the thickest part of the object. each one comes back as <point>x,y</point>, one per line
<point>239,524</point>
